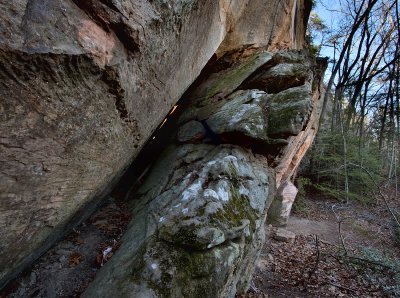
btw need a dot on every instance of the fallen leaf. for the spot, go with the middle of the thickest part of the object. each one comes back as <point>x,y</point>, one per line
<point>74,259</point>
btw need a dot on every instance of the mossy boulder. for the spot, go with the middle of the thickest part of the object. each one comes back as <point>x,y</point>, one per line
<point>200,223</point>
<point>289,111</point>
<point>213,93</point>
<point>281,76</point>
<point>243,114</point>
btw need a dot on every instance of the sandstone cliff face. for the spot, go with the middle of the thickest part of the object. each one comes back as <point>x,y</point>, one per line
<point>199,217</point>
<point>85,83</point>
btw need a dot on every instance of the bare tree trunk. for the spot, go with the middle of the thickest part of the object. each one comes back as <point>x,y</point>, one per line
<point>346,177</point>
<point>359,19</point>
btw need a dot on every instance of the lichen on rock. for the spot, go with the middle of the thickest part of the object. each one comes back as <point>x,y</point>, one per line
<point>208,213</point>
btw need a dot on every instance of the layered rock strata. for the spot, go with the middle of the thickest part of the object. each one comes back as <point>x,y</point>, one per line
<point>83,84</point>
<point>199,216</point>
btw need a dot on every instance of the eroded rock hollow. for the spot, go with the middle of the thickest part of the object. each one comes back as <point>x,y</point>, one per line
<point>84,84</point>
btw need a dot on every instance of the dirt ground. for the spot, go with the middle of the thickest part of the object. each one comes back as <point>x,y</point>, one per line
<point>313,266</point>
<point>67,268</point>
<point>363,262</point>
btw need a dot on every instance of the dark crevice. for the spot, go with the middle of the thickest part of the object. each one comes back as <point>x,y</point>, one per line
<point>210,134</point>
<point>110,77</point>
<point>97,11</point>
<point>267,148</point>
<point>110,4</point>
<point>272,85</point>
<point>230,58</point>
<point>135,174</point>
<point>271,146</point>
<point>106,15</point>
<point>120,105</point>
<point>126,36</point>
<point>205,73</point>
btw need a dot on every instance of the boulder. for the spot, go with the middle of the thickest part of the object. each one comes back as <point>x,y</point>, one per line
<point>289,111</point>
<point>243,115</point>
<point>278,213</point>
<point>283,235</point>
<point>198,232</point>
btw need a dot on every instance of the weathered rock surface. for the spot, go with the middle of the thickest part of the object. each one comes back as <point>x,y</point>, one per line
<point>291,155</point>
<point>199,217</point>
<point>85,83</point>
<point>198,226</point>
<point>278,213</point>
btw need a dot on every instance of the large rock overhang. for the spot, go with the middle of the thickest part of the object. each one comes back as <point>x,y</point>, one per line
<point>84,86</point>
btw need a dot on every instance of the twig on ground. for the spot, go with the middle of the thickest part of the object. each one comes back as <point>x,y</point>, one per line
<point>371,262</point>
<point>337,257</point>
<point>327,242</point>
<point>342,287</point>
<point>317,260</point>
<point>339,221</point>
<point>253,287</point>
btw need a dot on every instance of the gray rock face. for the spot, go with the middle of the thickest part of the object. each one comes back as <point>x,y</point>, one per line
<point>280,77</point>
<point>242,114</point>
<point>289,111</point>
<point>193,131</point>
<point>199,216</point>
<point>278,213</point>
<point>84,84</point>
<point>197,232</point>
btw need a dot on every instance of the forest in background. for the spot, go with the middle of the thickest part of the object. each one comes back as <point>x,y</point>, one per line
<point>356,154</point>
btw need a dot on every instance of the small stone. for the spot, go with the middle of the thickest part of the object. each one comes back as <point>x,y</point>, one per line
<point>284,235</point>
<point>332,289</point>
<point>63,252</point>
<point>262,264</point>
<point>21,292</point>
<point>33,278</point>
